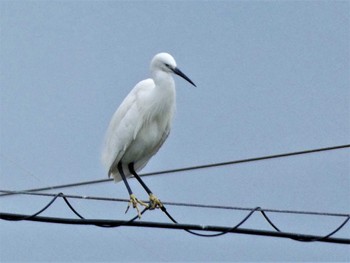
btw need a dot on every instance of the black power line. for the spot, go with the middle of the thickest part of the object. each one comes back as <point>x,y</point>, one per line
<point>116,223</point>
<point>187,227</point>
<point>254,159</point>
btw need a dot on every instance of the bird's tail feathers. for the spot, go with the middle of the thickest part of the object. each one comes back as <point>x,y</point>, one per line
<point>116,177</point>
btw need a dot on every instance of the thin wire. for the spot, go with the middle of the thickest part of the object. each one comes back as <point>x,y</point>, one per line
<point>33,216</point>
<point>190,168</point>
<point>99,225</point>
<point>43,209</point>
<point>183,204</point>
<point>309,239</point>
<point>117,223</point>
<point>222,231</point>
<point>227,230</point>
<point>298,238</point>
<point>217,234</point>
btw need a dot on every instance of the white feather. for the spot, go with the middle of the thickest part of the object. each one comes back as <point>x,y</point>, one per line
<point>142,122</point>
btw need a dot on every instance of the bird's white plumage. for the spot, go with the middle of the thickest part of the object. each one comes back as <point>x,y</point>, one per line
<point>142,122</point>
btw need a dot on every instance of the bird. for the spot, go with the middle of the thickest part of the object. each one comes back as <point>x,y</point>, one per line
<point>140,126</point>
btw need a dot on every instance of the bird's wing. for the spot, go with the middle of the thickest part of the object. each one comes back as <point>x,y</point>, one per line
<point>162,140</point>
<point>124,126</point>
<point>142,163</point>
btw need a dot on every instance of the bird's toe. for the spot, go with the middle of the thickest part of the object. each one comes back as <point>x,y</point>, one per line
<point>154,202</point>
<point>134,202</point>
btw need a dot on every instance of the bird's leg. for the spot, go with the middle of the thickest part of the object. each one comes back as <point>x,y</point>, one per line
<point>133,200</point>
<point>154,202</point>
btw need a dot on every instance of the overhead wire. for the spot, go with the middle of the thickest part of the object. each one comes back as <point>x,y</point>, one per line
<point>190,168</point>
<point>181,204</point>
<point>114,223</point>
<point>187,227</point>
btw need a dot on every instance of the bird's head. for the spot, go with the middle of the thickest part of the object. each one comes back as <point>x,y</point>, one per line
<point>165,62</point>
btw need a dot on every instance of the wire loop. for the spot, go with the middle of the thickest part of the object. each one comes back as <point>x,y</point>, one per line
<point>116,223</point>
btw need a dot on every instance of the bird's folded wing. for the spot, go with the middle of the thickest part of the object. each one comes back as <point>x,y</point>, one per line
<point>123,128</point>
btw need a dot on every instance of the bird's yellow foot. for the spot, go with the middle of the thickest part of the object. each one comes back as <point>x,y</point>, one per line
<point>134,201</point>
<point>154,202</point>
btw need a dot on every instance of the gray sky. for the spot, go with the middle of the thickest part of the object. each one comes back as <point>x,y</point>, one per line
<point>271,76</point>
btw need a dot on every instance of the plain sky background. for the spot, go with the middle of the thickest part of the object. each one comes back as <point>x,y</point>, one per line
<point>271,76</point>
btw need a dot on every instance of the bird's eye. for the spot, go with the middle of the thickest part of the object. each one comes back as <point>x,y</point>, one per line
<point>167,65</point>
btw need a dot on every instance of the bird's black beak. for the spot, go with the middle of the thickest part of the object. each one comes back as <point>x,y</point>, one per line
<point>177,71</point>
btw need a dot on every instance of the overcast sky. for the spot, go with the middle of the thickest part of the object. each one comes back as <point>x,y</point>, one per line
<point>271,76</point>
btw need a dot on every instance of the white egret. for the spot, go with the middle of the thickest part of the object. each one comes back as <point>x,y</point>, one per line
<point>140,126</point>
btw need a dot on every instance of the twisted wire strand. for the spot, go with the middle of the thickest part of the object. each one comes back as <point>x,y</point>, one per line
<point>187,228</point>
<point>96,198</point>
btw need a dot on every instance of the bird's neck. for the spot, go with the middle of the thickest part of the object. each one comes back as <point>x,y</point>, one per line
<point>163,81</point>
<point>164,92</point>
